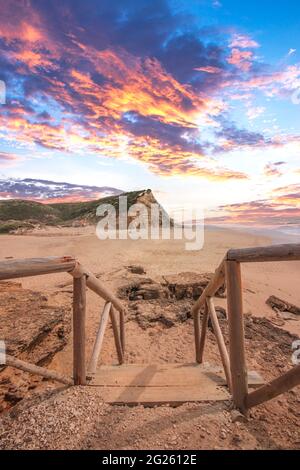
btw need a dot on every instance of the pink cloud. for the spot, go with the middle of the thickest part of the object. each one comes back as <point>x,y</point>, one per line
<point>241,59</point>
<point>209,69</point>
<point>8,158</point>
<point>271,84</point>
<point>243,41</point>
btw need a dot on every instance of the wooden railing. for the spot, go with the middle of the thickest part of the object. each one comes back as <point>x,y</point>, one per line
<point>228,272</point>
<point>82,279</point>
<point>234,363</point>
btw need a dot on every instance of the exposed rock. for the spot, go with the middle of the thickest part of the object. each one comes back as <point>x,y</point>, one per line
<point>165,312</point>
<point>237,416</point>
<point>14,395</point>
<point>136,269</point>
<point>32,330</point>
<point>221,315</point>
<point>186,285</point>
<point>26,320</point>
<point>279,305</point>
<point>142,289</point>
<point>168,302</point>
<point>189,285</point>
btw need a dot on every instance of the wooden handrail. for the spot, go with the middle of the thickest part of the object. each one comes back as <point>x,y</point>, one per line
<point>99,339</point>
<point>11,269</point>
<point>96,286</point>
<point>276,387</point>
<point>117,337</point>
<point>220,341</point>
<point>287,252</point>
<point>229,271</point>
<point>214,284</point>
<point>82,278</point>
<point>33,369</point>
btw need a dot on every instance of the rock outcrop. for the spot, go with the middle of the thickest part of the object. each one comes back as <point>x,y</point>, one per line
<point>167,302</point>
<point>33,330</point>
<point>286,309</point>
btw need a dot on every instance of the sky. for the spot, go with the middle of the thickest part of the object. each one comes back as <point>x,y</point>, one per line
<point>198,100</point>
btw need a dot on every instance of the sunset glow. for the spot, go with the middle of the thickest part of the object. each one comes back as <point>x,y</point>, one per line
<point>175,96</point>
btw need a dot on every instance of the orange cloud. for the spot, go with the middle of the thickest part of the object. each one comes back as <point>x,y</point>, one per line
<point>142,86</point>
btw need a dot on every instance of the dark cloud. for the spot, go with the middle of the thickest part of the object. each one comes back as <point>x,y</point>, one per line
<point>47,191</point>
<point>237,137</point>
<point>179,136</point>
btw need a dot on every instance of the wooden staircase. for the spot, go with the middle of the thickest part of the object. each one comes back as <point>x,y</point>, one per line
<point>153,384</point>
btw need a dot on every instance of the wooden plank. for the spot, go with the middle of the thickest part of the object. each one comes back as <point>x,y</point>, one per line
<point>174,396</point>
<point>220,341</point>
<point>11,269</point>
<point>163,375</point>
<point>33,369</point>
<point>79,310</point>
<point>99,339</point>
<point>286,252</point>
<point>276,387</point>
<point>236,334</point>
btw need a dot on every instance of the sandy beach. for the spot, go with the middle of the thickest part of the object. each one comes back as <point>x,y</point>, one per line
<point>107,427</point>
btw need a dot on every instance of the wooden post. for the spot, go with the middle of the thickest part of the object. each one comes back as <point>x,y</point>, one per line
<point>122,330</point>
<point>196,316</point>
<point>220,341</point>
<point>116,335</point>
<point>99,338</point>
<point>236,334</point>
<point>79,309</point>
<point>203,333</point>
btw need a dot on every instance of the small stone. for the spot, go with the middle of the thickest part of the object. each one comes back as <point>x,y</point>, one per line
<point>237,417</point>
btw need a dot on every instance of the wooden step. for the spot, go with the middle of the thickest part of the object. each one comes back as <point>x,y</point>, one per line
<point>154,384</point>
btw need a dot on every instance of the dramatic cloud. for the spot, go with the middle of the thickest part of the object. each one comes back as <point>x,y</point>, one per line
<point>51,191</point>
<point>283,208</point>
<point>135,79</point>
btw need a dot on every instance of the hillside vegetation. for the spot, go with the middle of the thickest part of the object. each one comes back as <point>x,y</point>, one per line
<point>17,214</point>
